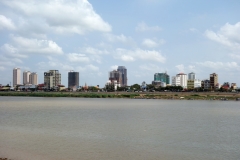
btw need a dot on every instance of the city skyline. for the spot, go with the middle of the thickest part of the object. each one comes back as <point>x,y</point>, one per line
<point>94,37</point>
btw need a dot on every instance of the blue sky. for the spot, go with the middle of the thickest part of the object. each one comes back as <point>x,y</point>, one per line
<point>146,36</point>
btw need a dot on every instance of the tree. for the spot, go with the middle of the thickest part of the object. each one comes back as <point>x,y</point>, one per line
<point>135,87</point>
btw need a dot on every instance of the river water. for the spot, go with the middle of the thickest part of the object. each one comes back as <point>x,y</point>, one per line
<point>118,129</point>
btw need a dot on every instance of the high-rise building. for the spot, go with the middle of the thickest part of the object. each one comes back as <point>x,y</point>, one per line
<point>73,80</point>
<point>52,78</point>
<point>163,77</point>
<point>191,76</point>
<point>123,73</point>
<point>16,76</point>
<point>33,78</point>
<point>180,80</point>
<point>115,76</point>
<point>213,81</point>
<point>26,77</point>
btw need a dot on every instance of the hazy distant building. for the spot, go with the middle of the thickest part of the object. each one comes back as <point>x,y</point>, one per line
<point>163,77</point>
<point>52,78</point>
<point>191,76</point>
<point>73,80</point>
<point>213,81</point>
<point>115,76</point>
<point>123,73</point>
<point>16,76</point>
<point>33,78</point>
<point>26,77</point>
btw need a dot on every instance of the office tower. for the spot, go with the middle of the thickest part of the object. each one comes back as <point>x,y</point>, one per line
<point>73,80</point>
<point>191,76</point>
<point>115,76</point>
<point>213,80</point>
<point>26,77</point>
<point>16,76</point>
<point>163,77</point>
<point>123,74</point>
<point>33,78</point>
<point>52,78</point>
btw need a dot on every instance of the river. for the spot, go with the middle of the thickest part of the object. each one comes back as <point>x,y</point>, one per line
<point>118,129</point>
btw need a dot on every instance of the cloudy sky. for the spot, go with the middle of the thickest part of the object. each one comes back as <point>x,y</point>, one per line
<point>93,37</point>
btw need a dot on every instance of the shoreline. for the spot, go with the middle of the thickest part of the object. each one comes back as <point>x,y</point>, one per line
<point>133,95</point>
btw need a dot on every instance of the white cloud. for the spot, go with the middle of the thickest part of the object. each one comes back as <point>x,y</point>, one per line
<point>142,27</point>
<point>88,68</point>
<point>35,46</point>
<point>150,67</point>
<point>92,50</point>
<point>75,57</point>
<point>6,23</point>
<point>180,68</point>
<point>219,65</point>
<point>114,67</point>
<point>62,16</point>
<point>119,38</point>
<point>228,35</point>
<point>11,51</point>
<point>132,55</point>
<point>152,43</point>
<point>234,56</point>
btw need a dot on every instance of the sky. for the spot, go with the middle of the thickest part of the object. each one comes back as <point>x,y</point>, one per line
<point>93,37</point>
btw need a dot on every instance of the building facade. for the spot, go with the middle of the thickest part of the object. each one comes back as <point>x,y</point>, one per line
<point>205,84</point>
<point>16,76</point>
<point>52,78</point>
<point>73,80</point>
<point>213,81</point>
<point>116,77</point>
<point>26,75</point>
<point>191,84</point>
<point>163,77</point>
<point>180,80</point>
<point>191,76</point>
<point>33,78</point>
<point>123,74</point>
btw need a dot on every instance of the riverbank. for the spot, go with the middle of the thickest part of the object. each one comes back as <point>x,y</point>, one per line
<point>133,95</point>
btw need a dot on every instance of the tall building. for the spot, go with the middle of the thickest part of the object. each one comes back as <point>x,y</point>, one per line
<point>115,76</point>
<point>73,80</point>
<point>33,78</point>
<point>191,76</point>
<point>26,77</point>
<point>180,80</point>
<point>16,76</point>
<point>163,77</point>
<point>213,81</point>
<point>123,74</point>
<point>52,78</point>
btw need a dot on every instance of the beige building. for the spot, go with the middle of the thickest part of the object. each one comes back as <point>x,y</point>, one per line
<point>33,78</point>
<point>16,76</point>
<point>26,77</point>
<point>213,81</point>
<point>52,78</point>
<point>190,84</point>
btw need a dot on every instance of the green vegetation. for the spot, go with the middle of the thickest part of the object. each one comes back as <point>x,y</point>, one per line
<point>142,95</point>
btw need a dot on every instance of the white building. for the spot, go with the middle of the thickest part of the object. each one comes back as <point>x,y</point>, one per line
<point>33,78</point>
<point>180,80</point>
<point>176,81</point>
<point>115,83</point>
<point>197,83</point>
<point>26,77</point>
<point>16,76</point>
